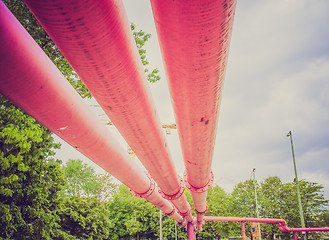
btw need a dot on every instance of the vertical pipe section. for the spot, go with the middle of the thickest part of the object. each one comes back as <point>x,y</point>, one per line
<point>33,83</point>
<point>194,38</point>
<point>191,235</point>
<point>243,231</point>
<point>95,37</point>
<point>295,235</point>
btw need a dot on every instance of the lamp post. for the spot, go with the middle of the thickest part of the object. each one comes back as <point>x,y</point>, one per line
<point>160,225</point>
<point>301,215</point>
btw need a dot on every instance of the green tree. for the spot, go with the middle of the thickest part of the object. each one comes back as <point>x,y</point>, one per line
<point>141,38</point>
<point>279,200</point>
<point>315,206</point>
<point>30,178</point>
<point>120,208</point>
<point>244,199</point>
<point>135,217</point>
<point>83,218</point>
<point>219,204</point>
<point>273,203</point>
<point>82,179</point>
<point>108,187</point>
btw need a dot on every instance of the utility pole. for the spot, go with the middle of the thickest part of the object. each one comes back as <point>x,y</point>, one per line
<point>256,202</point>
<point>160,225</point>
<point>175,230</point>
<point>301,215</point>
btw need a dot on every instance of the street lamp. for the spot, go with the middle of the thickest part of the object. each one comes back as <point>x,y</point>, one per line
<point>289,134</point>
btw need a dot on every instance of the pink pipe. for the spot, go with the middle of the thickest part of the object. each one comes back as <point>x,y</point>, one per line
<point>33,83</point>
<point>191,231</point>
<point>95,37</point>
<point>282,224</point>
<point>242,219</point>
<point>194,38</point>
<point>243,231</point>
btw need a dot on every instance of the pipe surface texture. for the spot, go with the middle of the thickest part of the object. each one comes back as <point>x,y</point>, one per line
<point>194,38</point>
<point>95,37</point>
<point>33,83</point>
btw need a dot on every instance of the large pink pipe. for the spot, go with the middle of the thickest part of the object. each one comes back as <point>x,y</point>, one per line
<point>33,83</point>
<point>95,37</point>
<point>194,38</point>
<point>282,224</point>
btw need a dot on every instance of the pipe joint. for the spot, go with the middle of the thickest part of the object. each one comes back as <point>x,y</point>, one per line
<point>201,189</point>
<point>171,213</point>
<point>204,212</point>
<point>182,223</point>
<point>148,192</point>
<point>188,212</point>
<point>284,227</point>
<point>176,195</point>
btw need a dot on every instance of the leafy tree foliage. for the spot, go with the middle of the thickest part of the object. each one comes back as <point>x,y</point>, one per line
<point>219,204</point>
<point>244,199</point>
<point>132,216</point>
<point>279,200</point>
<point>272,203</point>
<point>30,178</point>
<point>141,38</point>
<point>83,218</point>
<point>108,187</point>
<point>81,179</point>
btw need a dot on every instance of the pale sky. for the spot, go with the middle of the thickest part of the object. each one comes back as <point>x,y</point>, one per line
<point>277,81</point>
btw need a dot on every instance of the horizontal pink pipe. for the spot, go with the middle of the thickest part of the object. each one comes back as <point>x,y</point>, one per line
<point>34,84</point>
<point>285,228</point>
<point>243,219</point>
<point>282,224</point>
<point>95,37</point>
<point>194,37</point>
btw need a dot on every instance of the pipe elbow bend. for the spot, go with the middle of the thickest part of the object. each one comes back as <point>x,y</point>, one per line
<point>283,226</point>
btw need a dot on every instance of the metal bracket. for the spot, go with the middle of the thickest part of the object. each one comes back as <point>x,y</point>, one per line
<point>201,189</point>
<point>148,192</point>
<point>176,195</point>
